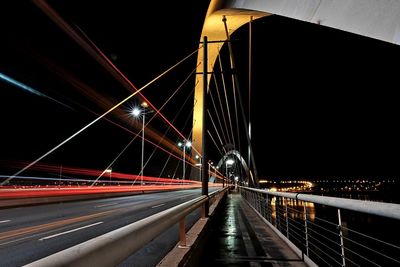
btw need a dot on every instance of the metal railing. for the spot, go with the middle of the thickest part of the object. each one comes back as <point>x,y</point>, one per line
<point>114,247</point>
<point>331,231</point>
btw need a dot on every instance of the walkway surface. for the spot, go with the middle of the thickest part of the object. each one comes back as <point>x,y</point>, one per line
<point>238,237</point>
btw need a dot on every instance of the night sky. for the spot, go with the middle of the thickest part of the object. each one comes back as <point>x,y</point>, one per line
<point>323,101</point>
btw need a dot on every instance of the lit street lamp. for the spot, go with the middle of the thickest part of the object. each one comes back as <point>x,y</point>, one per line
<point>210,163</point>
<point>228,162</point>
<point>184,145</point>
<point>109,171</point>
<point>199,165</point>
<point>136,112</point>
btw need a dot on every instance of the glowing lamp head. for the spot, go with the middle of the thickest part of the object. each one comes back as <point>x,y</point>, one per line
<point>144,104</point>
<point>230,162</point>
<point>136,112</point>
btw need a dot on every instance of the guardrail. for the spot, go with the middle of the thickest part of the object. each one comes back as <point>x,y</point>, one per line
<point>322,229</point>
<point>114,247</point>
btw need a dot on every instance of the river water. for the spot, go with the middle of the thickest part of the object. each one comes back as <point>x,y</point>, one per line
<point>369,240</point>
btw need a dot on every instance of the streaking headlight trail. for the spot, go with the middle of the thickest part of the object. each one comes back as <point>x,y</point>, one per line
<point>28,88</point>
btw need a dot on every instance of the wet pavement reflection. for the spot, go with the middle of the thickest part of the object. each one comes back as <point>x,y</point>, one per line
<point>238,237</point>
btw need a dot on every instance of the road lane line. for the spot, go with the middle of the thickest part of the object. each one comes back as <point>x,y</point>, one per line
<point>4,221</point>
<point>70,231</point>
<point>48,226</point>
<point>156,206</point>
<point>105,205</point>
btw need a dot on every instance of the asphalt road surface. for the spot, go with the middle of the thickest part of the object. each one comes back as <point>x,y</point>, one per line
<point>31,233</point>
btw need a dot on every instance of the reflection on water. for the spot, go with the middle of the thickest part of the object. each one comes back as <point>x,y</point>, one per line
<point>325,237</point>
<point>294,210</point>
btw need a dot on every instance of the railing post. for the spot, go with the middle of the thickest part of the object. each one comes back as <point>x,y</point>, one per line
<point>341,239</point>
<point>305,225</point>
<point>264,203</point>
<point>203,212</point>
<point>182,233</point>
<point>276,212</point>
<point>267,206</point>
<point>287,219</point>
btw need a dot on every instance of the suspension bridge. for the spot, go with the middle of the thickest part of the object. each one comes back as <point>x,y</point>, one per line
<point>178,184</point>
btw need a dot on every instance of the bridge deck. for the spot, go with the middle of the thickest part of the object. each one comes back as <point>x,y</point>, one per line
<point>238,237</point>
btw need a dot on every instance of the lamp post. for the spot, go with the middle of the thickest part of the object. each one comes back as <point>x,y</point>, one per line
<point>228,163</point>
<point>136,112</point>
<point>184,145</point>
<point>210,163</point>
<point>109,171</point>
<point>199,164</point>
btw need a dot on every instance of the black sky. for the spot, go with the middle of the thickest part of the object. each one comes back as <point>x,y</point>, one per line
<point>323,101</point>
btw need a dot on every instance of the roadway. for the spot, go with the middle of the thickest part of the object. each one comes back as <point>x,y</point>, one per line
<point>30,233</point>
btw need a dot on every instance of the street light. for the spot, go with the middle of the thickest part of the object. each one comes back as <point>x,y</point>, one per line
<point>228,162</point>
<point>209,168</point>
<point>199,165</point>
<point>109,171</point>
<point>184,145</point>
<point>136,112</point>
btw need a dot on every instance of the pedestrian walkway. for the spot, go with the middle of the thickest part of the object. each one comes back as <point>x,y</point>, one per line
<point>238,237</point>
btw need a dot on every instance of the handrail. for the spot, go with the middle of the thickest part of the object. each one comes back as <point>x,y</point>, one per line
<point>305,230</point>
<point>388,210</point>
<point>114,247</point>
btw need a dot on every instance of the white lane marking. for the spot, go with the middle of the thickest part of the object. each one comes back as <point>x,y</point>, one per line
<point>105,205</point>
<point>70,231</point>
<point>156,206</point>
<point>4,221</point>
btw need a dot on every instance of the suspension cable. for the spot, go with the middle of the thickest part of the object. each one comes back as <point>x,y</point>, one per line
<point>234,80</point>
<point>135,133</point>
<point>216,146</point>
<point>221,106</point>
<point>98,55</point>
<point>115,159</point>
<point>184,125</point>
<point>217,113</point>
<point>93,122</point>
<point>250,84</point>
<point>244,120</point>
<point>148,122</point>
<point>215,128</point>
<point>176,116</point>
<point>186,121</point>
<point>226,100</point>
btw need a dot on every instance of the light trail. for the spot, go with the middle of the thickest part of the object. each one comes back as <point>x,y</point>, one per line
<point>105,103</point>
<point>108,64</point>
<point>55,191</point>
<point>29,89</point>
<point>56,182</point>
<point>92,122</point>
<point>69,138</point>
<point>97,54</point>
